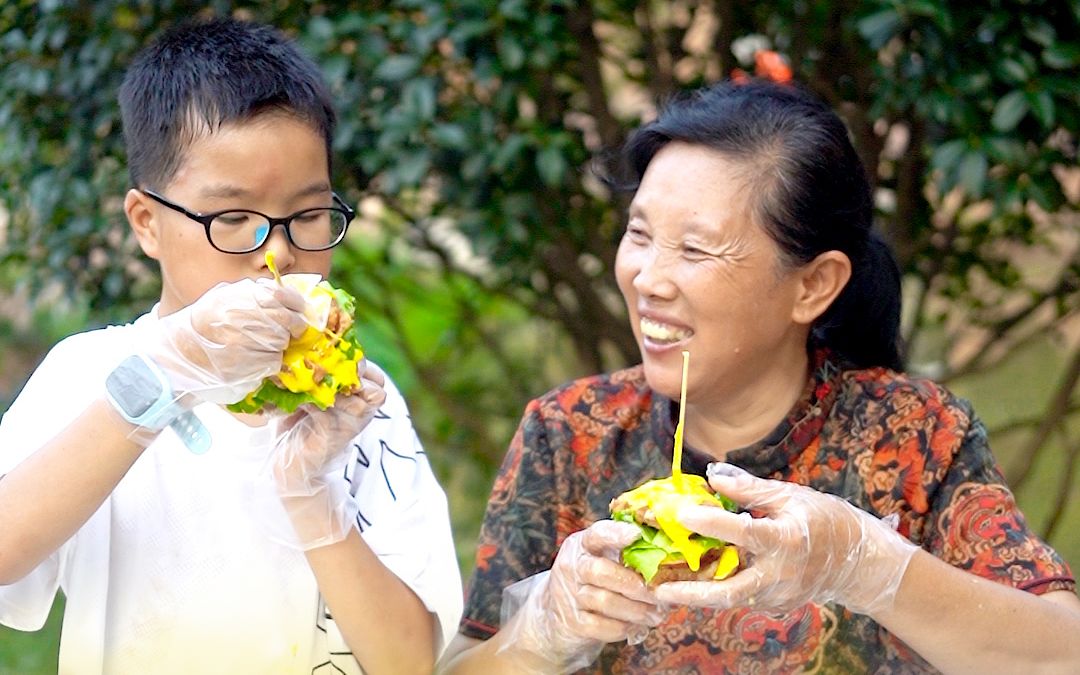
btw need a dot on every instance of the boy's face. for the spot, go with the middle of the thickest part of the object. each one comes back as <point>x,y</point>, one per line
<point>274,163</point>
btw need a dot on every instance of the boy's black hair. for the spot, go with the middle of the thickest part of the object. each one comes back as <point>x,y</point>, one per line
<point>202,74</point>
<point>809,190</point>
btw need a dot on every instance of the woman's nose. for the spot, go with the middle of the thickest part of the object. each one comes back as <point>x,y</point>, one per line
<point>654,277</point>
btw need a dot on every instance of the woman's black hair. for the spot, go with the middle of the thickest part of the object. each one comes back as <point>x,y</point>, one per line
<point>202,74</point>
<point>811,194</point>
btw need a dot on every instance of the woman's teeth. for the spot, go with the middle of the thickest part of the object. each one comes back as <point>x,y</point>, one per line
<point>661,332</point>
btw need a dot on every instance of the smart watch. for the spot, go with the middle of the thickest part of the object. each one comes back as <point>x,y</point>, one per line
<point>141,393</point>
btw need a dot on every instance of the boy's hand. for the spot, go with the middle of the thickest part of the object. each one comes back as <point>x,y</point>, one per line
<point>221,346</point>
<point>311,449</point>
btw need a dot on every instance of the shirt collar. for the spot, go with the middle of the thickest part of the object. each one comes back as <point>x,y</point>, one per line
<point>780,447</point>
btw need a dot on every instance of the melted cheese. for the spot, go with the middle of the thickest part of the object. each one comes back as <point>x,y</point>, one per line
<point>665,496</point>
<point>316,347</point>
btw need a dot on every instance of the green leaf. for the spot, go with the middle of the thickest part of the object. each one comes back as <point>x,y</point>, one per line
<point>270,395</point>
<point>879,27</point>
<point>1041,196</point>
<point>972,172</point>
<point>511,54</point>
<point>1010,109</point>
<point>320,29</point>
<point>450,136</point>
<point>552,165</point>
<point>1042,105</point>
<point>1014,71</point>
<point>507,152</point>
<point>947,155</point>
<point>1006,149</point>
<point>1062,55</point>
<point>411,166</point>
<point>644,558</point>
<point>419,96</point>
<point>1040,30</point>
<point>397,68</point>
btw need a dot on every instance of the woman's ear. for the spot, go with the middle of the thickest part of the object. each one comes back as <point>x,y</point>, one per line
<point>141,217</point>
<point>820,282</point>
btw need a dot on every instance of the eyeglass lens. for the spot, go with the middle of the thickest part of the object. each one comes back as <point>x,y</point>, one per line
<point>241,231</point>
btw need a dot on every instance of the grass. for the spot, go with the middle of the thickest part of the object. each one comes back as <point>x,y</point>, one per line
<point>32,653</point>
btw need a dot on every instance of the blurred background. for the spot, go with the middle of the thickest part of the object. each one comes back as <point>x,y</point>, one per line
<point>483,251</point>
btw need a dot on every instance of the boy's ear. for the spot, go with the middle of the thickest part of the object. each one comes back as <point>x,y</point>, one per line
<point>141,217</point>
<point>820,282</point>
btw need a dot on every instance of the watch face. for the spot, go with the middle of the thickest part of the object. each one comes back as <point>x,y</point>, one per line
<point>133,386</point>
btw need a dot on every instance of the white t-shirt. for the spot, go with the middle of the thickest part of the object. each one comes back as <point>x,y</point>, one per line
<point>179,571</point>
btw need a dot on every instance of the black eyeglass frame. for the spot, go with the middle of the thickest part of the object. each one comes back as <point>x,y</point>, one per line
<point>205,219</point>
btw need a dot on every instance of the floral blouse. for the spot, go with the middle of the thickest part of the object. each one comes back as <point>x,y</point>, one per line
<point>886,442</point>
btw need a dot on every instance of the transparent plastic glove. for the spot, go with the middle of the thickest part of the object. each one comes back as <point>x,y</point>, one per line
<point>222,346</point>
<point>306,467</point>
<point>558,621</point>
<point>806,546</point>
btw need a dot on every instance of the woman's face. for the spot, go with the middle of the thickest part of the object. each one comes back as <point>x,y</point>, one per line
<point>699,274</point>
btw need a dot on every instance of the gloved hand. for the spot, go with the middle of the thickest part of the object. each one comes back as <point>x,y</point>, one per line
<point>306,466</point>
<point>222,346</point>
<point>558,621</point>
<point>806,547</point>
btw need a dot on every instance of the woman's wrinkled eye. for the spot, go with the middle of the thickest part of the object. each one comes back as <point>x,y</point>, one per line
<point>636,233</point>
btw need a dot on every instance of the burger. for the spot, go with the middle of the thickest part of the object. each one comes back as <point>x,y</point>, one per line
<point>322,363</point>
<point>666,550</point>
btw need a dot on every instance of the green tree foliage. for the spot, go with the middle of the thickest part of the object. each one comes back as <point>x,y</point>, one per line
<point>485,245</point>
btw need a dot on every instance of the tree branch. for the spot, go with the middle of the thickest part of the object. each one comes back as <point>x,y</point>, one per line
<point>1067,285</point>
<point>580,22</point>
<point>1061,501</point>
<point>912,210</point>
<point>1055,415</point>
<point>657,68</point>
<point>930,275</point>
<point>725,35</point>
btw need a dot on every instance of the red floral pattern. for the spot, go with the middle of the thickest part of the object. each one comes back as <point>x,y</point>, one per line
<point>888,443</point>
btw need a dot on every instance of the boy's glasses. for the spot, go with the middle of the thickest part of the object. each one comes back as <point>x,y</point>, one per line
<point>243,231</point>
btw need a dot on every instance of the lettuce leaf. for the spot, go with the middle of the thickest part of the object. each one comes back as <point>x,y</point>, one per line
<point>654,547</point>
<point>270,394</point>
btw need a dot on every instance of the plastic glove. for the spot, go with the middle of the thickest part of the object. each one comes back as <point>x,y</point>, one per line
<point>807,547</point>
<point>558,621</point>
<point>221,346</point>
<point>306,466</point>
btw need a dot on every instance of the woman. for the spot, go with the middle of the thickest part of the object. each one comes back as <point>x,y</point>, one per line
<point>879,535</point>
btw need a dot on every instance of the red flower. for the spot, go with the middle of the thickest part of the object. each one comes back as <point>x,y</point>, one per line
<point>768,65</point>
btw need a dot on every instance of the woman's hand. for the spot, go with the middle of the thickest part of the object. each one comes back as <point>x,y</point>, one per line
<point>562,619</point>
<point>804,547</point>
<point>307,463</point>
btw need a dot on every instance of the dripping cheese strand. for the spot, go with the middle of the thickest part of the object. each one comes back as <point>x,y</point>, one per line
<point>273,267</point>
<point>677,455</point>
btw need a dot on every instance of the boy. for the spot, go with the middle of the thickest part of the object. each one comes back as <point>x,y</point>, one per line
<point>270,544</point>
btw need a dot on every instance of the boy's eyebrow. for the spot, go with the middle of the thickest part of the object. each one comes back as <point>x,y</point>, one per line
<point>227,191</point>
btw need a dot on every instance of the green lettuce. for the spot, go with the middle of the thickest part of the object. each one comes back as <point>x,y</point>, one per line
<point>654,547</point>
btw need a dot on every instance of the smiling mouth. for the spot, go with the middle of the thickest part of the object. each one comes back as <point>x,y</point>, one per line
<point>662,332</point>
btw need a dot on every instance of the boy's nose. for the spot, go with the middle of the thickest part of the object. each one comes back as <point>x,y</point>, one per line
<point>278,242</point>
